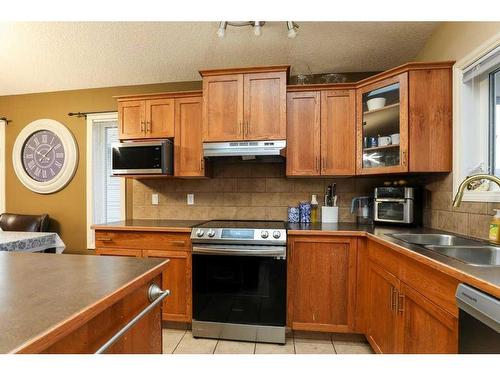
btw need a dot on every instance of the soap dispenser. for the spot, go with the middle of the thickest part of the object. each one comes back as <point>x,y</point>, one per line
<point>495,226</point>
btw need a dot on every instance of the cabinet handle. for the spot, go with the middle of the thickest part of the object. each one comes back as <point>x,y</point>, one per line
<point>142,127</point>
<point>322,163</point>
<point>242,131</point>
<point>148,127</point>
<point>247,128</point>
<point>178,243</point>
<point>155,296</point>
<point>202,164</point>
<point>401,303</point>
<point>403,161</point>
<point>104,239</point>
<point>394,297</point>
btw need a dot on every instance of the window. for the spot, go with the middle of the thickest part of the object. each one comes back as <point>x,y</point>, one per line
<point>477,121</point>
<point>105,193</point>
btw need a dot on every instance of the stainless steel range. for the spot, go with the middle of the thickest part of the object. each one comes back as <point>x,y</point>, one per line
<point>239,280</point>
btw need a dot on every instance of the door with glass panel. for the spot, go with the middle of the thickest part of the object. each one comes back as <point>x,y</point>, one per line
<point>382,126</point>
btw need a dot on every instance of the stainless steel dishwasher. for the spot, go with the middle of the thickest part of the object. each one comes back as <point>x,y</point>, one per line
<point>479,321</point>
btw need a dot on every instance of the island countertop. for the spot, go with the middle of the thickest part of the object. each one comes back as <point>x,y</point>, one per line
<point>43,295</point>
<point>151,225</point>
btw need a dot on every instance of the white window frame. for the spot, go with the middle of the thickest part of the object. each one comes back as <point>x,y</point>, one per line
<point>458,174</point>
<point>2,166</point>
<point>91,119</point>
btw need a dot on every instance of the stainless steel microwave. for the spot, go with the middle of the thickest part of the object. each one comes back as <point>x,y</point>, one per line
<point>143,157</point>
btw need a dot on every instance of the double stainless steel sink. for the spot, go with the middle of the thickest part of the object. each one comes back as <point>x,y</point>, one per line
<point>474,253</point>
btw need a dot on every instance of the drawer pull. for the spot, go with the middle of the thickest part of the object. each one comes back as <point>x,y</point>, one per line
<point>105,239</point>
<point>178,243</point>
<point>155,295</point>
<point>401,303</point>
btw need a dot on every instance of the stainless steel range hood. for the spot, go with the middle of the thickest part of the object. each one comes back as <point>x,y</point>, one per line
<point>245,149</point>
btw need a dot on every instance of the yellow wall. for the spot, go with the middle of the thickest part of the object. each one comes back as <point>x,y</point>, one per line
<point>67,207</point>
<point>454,40</point>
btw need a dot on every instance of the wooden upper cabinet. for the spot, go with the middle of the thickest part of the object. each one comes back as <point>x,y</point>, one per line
<point>321,283</point>
<point>430,120</point>
<point>244,104</point>
<point>338,132</point>
<point>382,321</point>
<point>188,158</point>
<point>321,133</point>
<point>265,106</point>
<point>389,119</point>
<point>223,108</point>
<point>131,119</point>
<point>159,118</point>
<point>303,134</point>
<point>424,327</point>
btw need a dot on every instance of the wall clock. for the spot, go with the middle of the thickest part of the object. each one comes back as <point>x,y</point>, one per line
<point>45,156</point>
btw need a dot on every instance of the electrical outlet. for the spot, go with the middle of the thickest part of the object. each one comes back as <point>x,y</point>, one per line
<point>190,199</point>
<point>154,199</point>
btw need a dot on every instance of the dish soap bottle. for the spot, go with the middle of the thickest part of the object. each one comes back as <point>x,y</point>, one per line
<point>315,209</point>
<point>495,227</point>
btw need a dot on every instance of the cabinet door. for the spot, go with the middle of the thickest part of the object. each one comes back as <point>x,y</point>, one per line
<point>303,134</point>
<point>189,161</point>
<point>425,327</point>
<point>322,278</point>
<point>177,279</point>
<point>131,119</point>
<point>223,108</point>
<point>265,106</point>
<point>338,132</point>
<point>160,118</point>
<point>382,126</point>
<point>119,252</point>
<point>382,315</point>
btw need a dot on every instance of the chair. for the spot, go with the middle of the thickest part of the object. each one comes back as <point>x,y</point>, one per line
<point>24,223</point>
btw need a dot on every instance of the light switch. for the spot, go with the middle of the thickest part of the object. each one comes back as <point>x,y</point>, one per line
<point>154,199</point>
<point>190,199</point>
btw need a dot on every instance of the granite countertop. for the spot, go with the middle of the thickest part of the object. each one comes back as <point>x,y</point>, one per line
<point>150,225</point>
<point>41,293</point>
<point>484,278</point>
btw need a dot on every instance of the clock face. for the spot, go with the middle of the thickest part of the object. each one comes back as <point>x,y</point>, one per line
<point>43,155</point>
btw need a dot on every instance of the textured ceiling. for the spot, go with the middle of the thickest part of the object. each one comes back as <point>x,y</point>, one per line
<point>37,57</point>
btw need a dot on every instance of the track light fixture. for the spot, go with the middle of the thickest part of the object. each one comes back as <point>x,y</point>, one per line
<point>257,27</point>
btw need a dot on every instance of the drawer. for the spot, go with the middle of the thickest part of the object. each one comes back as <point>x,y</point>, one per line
<point>143,240</point>
<point>385,257</point>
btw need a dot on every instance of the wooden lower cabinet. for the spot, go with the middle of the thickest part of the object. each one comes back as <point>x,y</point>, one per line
<point>427,328</point>
<point>402,320</point>
<point>177,276</point>
<point>382,322</point>
<point>321,283</point>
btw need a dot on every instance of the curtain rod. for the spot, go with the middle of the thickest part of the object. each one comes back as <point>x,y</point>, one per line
<point>5,119</point>
<point>84,114</point>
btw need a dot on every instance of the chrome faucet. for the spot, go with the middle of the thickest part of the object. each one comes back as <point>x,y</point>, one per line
<point>481,176</point>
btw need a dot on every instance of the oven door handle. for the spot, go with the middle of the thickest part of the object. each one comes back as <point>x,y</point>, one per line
<point>263,251</point>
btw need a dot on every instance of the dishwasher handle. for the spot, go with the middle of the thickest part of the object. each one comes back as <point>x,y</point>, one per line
<point>481,306</point>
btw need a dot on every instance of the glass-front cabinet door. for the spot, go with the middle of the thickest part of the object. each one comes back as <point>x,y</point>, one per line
<point>382,123</point>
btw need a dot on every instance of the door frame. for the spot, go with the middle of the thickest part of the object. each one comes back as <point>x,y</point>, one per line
<point>91,118</point>
<point>2,166</point>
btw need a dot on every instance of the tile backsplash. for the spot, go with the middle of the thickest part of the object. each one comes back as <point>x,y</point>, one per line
<point>241,191</point>
<point>260,191</point>
<point>471,218</point>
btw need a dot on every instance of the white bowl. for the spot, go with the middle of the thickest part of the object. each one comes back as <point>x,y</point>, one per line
<point>375,103</point>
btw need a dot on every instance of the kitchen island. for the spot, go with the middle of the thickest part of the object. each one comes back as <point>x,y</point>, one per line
<point>75,303</point>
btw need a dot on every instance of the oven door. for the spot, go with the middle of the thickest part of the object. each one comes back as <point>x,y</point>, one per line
<point>239,287</point>
<point>394,210</point>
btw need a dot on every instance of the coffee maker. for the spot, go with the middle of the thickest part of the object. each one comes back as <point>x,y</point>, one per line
<point>363,208</point>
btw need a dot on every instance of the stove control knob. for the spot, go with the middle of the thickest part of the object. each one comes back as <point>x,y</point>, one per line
<point>200,232</point>
<point>211,233</point>
<point>264,234</point>
<point>276,234</point>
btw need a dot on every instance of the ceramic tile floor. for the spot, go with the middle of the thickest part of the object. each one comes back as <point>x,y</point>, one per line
<point>178,341</point>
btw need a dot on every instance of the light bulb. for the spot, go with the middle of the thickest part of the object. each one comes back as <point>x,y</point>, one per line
<point>292,33</point>
<point>257,28</point>
<point>221,32</point>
